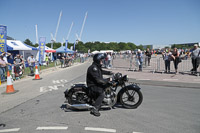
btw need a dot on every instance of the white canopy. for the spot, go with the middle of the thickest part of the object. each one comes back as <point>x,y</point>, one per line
<point>95,52</point>
<point>18,45</point>
<point>106,51</point>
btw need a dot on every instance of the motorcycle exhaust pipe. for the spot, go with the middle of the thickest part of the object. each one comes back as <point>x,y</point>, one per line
<point>79,106</point>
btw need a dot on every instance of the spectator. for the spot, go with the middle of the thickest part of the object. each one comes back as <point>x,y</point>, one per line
<point>5,58</point>
<point>67,59</point>
<point>22,66</point>
<point>148,57</point>
<point>47,60</point>
<point>62,60</point>
<point>17,69</point>
<point>167,58</point>
<point>109,60</point>
<point>139,56</point>
<point>176,59</point>
<point>106,61</point>
<point>59,58</point>
<point>2,68</point>
<point>31,63</point>
<point>82,57</point>
<point>195,55</point>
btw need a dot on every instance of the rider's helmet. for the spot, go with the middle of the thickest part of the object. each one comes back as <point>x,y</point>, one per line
<point>98,57</point>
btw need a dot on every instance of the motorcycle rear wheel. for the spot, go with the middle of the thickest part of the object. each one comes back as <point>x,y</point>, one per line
<point>131,98</point>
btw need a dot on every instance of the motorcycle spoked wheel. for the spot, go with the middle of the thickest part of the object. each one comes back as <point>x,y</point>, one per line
<point>131,98</point>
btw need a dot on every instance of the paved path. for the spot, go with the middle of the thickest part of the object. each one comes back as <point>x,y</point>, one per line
<point>147,75</point>
<point>37,107</point>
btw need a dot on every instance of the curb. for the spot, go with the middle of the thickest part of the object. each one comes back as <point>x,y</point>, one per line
<point>166,83</point>
<point>44,71</point>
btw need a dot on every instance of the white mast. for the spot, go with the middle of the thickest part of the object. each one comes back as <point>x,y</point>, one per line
<point>83,26</point>
<point>36,34</point>
<point>69,31</point>
<point>58,25</point>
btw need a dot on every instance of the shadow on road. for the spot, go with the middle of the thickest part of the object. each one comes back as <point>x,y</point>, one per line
<point>2,125</point>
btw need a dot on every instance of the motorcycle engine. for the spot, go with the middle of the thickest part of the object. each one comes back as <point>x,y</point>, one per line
<point>107,100</point>
<point>109,95</point>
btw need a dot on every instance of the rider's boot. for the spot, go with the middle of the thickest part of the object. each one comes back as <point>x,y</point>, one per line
<point>95,112</point>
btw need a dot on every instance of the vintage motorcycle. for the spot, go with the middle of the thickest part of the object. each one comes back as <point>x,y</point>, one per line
<point>129,96</point>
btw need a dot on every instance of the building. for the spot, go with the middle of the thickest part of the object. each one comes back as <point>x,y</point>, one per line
<point>188,44</point>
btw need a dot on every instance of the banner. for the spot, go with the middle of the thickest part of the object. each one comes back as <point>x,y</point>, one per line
<point>74,45</point>
<point>66,46</point>
<point>3,36</point>
<point>41,49</point>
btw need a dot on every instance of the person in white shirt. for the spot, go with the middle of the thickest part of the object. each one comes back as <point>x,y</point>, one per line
<point>109,60</point>
<point>31,62</point>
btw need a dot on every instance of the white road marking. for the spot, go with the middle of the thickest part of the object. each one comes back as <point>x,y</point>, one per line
<point>196,79</point>
<point>142,79</point>
<point>82,82</point>
<point>170,79</point>
<point>137,132</point>
<point>59,81</point>
<point>10,130</point>
<point>51,128</point>
<point>100,129</point>
<point>50,88</point>
<point>56,81</point>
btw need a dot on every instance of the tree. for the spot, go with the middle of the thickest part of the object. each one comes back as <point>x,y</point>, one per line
<point>131,45</point>
<point>149,46</point>
<point>140,47</point>
<point>28,42</point>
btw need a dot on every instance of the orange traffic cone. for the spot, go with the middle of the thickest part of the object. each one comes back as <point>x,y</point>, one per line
<point>37,76</point>
<point>9,89</point>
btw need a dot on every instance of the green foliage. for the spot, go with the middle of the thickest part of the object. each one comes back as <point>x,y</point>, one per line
<point>28,42</point>
<point>84,47</point>
<point>149,46</point>
<point>140,47</point>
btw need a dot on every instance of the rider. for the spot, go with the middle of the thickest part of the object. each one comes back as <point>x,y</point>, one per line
<point>95,81</point>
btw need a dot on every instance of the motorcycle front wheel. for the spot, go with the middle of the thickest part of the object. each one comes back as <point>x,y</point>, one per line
<point>131,98</point>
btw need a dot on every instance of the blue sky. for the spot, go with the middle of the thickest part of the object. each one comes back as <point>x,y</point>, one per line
<point>138,21</point>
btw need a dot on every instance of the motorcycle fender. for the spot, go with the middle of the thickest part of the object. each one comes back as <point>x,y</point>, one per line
<point>67,92</point>
<point>134,86</point>
<point>75,87</point>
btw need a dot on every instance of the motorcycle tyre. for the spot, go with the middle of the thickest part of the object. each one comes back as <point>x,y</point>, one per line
<point>135,105</point>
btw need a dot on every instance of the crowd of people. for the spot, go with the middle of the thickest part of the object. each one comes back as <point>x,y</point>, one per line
<point>65,59</point>
<point>169,55</point>
<point>6,65</point>
<point>175,56</point>
<point>16,64</point>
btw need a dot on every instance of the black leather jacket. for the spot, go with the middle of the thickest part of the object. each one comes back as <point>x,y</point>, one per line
<point>95,76</point>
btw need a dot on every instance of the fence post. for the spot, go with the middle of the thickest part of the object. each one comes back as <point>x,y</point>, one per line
<point>158,64</point>
<point>55,63</point>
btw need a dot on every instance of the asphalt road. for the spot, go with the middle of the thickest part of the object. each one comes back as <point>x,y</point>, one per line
<point>37,107</point>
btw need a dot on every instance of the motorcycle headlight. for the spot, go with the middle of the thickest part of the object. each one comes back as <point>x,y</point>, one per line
<point>126,78</point>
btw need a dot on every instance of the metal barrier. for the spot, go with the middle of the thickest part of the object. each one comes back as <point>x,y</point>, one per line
<point>184,67</point>
<point>157,64</point>
<point>134,63</point>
